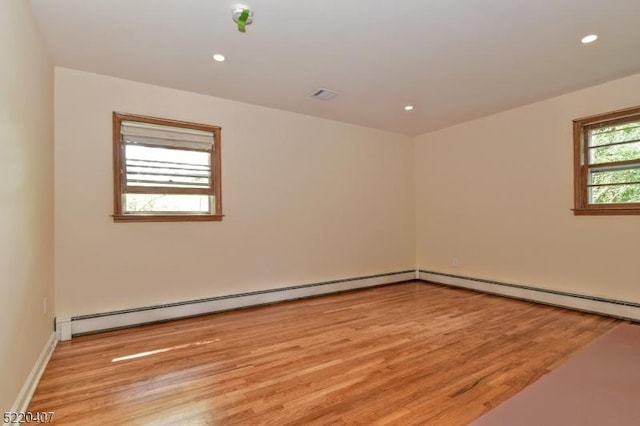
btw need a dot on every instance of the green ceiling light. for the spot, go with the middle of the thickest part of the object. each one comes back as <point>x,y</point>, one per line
<point>243,16</point>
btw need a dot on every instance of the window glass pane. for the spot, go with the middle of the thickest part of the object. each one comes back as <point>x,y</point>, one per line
<point>607,154</point>
<point>146,166</point>
<point>616,176</point>
<point>614,134</point>
<point>615,194</point>
<point>168,203</point>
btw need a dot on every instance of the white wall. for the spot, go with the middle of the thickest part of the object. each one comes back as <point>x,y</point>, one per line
<point>26,191</point>
<point>497,194</point>
<point>305,200</point>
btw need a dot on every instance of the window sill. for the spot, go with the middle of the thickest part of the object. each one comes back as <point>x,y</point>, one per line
<point>167,218</point>
<point>606,211</point>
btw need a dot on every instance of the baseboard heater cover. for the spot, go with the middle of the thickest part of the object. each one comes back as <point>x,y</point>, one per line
<point>85,324</point>
<point>611,307</point>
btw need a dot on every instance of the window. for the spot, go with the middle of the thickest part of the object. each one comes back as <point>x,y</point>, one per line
<point>607,163</point>
<point>165,170</point>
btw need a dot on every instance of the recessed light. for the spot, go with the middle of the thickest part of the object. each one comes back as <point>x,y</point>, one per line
<point>408,108</point>
<point>219,58</point>
<point>589,39</point>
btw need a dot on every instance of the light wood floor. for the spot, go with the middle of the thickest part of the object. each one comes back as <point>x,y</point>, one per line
<point>404,354</point>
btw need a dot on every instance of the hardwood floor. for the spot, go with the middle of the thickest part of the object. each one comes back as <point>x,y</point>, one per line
<point>404,354</point>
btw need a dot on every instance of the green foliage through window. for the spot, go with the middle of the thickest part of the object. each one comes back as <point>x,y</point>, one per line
<point>614,177</point>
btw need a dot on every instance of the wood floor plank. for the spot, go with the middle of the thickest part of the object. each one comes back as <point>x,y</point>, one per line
<point>410,353</point>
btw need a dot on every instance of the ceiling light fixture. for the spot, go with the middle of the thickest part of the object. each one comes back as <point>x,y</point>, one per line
<point>589,39</point>
<point>408,108</point>
<point>219,58</point>
<point>243,16</point>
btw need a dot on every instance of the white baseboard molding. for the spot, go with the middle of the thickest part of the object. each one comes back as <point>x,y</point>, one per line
<point>74,326</point>
<point>26,393</point>
<point>609,307</point>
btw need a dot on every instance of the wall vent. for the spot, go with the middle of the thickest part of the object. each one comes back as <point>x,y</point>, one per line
<point>324,94</point>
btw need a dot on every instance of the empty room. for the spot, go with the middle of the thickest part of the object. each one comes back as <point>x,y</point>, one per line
<point>320,212</point>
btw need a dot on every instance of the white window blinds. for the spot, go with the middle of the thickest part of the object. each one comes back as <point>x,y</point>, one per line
<point>164,156</point>
<point>136,133</point>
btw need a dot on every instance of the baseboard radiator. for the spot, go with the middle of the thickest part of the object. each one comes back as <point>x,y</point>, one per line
<point>614,308</point>
<point>66,328</point>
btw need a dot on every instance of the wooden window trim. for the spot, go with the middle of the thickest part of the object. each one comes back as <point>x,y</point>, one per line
<point>168,218</point>
<point>120,187</point>
<point>582,207</point>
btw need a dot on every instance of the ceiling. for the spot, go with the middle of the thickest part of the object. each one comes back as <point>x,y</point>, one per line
<point>453,60</point>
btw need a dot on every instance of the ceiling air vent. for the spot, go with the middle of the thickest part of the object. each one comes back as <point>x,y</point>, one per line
<point>324,94</point>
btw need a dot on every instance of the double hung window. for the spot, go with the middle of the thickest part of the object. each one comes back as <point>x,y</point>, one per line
<point>165,170</point>
<point>607,163</point>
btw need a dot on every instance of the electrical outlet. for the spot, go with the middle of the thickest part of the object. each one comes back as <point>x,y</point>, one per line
<point>44,306</point>
<point>455,262</point>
